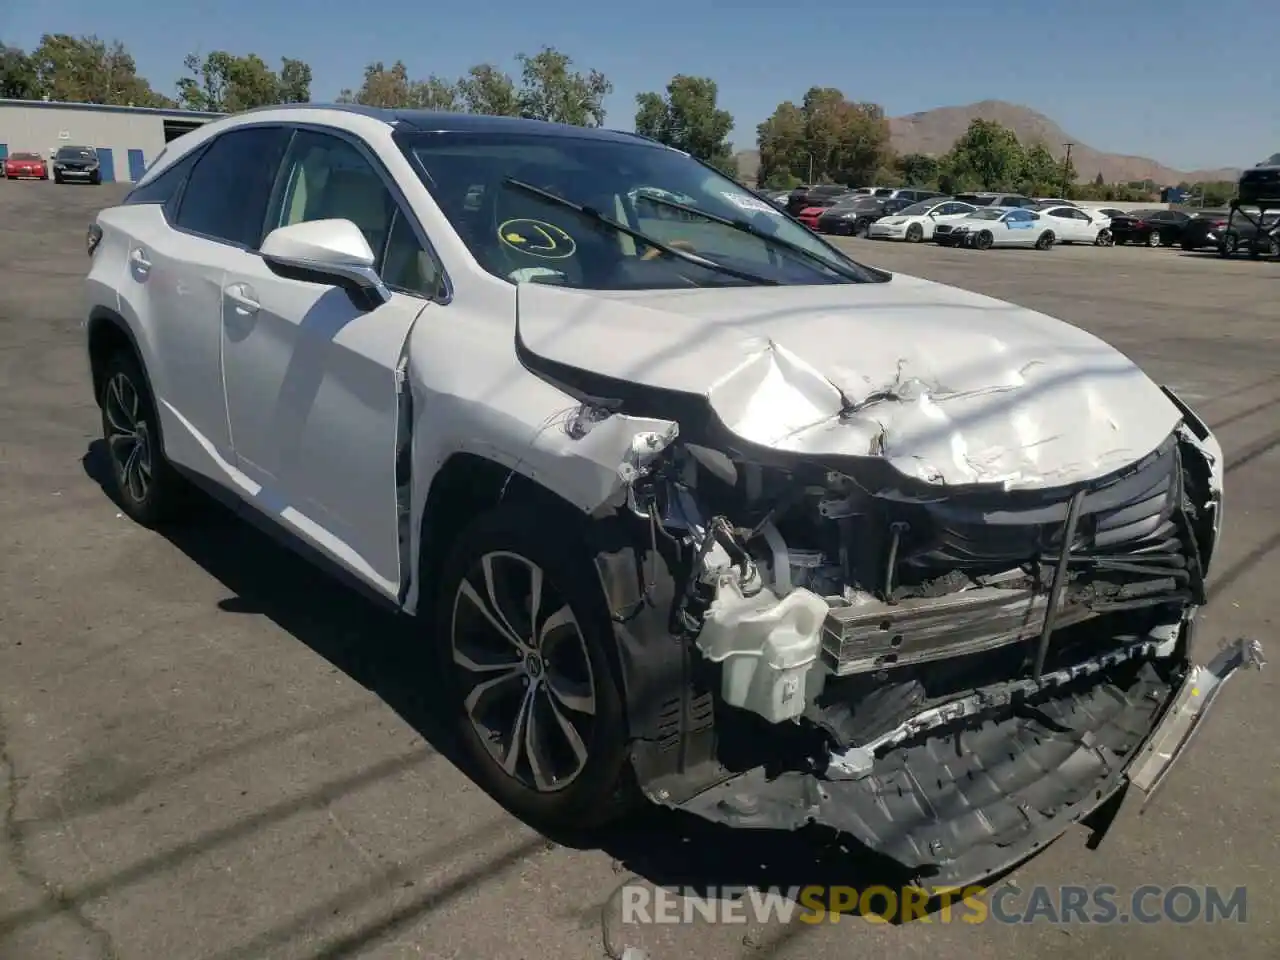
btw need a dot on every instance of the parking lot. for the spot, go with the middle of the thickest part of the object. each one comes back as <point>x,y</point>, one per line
<point>210,751</point>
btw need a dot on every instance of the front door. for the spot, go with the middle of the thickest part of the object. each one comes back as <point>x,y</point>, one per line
<point>311,377</point>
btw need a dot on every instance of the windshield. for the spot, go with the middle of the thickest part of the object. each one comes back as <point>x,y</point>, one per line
<point>481,181</point>
<point>75,153</point>
<point>24,156</point>
<point>988,214</point>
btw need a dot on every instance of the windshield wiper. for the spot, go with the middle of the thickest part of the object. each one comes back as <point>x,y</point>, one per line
<point>750,228</point>
<point>596,216</point>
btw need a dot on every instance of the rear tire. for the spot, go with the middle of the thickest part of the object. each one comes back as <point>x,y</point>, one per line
<point>1104,238</point>
<point>555,688</point>
<point>1229,245</point>
<point>144,483</point>
<point>862,229</point>
<point>1154,239</point>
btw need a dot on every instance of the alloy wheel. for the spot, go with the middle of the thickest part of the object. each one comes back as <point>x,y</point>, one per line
<point>1154,239</point>
<point>527,681</point>
<point>1104,238</point>
<point>128,437</point>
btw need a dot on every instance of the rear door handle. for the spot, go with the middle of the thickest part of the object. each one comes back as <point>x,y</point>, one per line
<point>242,297</point>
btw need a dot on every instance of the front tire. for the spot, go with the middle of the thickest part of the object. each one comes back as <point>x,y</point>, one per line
<point>915,233</point>
<point>1045,240</point>
<point>144,483</point>
<point>985,240</point>
<point>862,229</point>
<point>57,179</point>
<point>523,631</point>
<point>1228,246</point>
<point>1103,239</point>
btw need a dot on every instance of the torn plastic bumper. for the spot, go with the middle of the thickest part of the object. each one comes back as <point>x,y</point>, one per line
<point>955,799</point>
<point>1191,704</point>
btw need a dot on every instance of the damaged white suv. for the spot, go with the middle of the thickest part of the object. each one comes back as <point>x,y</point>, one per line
<point>690,501</point>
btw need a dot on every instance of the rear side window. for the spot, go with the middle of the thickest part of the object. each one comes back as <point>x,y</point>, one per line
<point>164,187</point>
<point>227,192</point>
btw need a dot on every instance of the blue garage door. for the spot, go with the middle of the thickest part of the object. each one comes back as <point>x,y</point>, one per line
<point>137,165</point>
<point>4,150</point>
<point>107,165</point>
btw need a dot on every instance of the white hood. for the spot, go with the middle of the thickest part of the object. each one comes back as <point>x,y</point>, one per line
<point>948,386</point>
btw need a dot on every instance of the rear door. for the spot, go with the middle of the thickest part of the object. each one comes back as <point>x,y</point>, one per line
<point>313,379</point>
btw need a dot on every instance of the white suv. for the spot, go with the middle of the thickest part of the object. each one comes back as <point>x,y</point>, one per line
<point>681,493</point>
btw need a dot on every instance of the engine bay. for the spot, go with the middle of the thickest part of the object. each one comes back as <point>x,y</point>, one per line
<point>851,610</point>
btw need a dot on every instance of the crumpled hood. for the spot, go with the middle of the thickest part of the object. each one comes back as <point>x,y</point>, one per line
<point>948,386</point>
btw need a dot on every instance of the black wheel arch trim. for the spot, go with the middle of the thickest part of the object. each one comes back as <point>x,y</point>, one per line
<point>98,316</point>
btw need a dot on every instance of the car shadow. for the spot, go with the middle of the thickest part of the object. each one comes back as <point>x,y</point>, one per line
<point>389,655</point>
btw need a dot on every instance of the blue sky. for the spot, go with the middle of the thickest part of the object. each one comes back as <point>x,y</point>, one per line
<point>1189,84</point>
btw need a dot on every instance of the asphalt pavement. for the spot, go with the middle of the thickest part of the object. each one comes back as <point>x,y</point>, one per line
<point>210,751</point>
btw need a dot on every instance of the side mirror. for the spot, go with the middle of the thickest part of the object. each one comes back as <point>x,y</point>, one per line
<point>332,252</point>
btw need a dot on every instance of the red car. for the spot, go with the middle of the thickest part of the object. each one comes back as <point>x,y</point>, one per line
<point>26,166</point>
<point>809,216</point>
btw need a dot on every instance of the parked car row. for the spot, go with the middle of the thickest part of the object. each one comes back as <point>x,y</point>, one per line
<point>69,163</point>
<point>992,219</point>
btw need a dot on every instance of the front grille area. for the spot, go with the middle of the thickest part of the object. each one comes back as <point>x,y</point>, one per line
<point>1127,523</point>
<point>974,572</point>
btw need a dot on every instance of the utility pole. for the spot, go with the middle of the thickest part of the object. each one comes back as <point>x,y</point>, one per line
<point>1066,172</point>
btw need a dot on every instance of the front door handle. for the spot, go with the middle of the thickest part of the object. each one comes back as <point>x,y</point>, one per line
<point>138,260</point>
<point>242,297</point>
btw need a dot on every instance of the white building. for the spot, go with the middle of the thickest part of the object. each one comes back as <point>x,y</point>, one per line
<point>128,139</point>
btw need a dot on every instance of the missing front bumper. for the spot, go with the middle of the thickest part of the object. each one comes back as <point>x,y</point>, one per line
<point>959,803</point>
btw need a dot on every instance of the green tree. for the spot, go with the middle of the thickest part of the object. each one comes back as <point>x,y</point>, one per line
<point>987,156</point>
<point>1098,181</point>
<point>18,78</point>
<point>1042,174</point>
<point>783,157</point>
<point>688,119</point>
<point>391,87</point>
<point>295,81</point>
<point>835,138</point>
<point>550,90</point>
<point>225,83</point>
<point>486,89</point>
<point>918,169</point>
<point>90,70</point>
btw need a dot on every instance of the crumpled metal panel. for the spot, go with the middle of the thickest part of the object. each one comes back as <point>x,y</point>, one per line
<point>960,804</point>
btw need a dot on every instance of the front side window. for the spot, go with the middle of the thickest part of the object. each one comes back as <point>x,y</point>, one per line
<point>532,208</point>
<point>327,177</point>
<point>226,194</point>
<point>986,215</point>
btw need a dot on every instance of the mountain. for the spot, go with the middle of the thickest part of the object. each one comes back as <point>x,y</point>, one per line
<point>934,132</point>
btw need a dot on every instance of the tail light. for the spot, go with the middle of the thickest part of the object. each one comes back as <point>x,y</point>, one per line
<point>1220,224</point>
<point>93,238</point>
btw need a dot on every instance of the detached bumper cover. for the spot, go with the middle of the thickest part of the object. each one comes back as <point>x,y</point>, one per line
<point>961,803</point>
<point>1190,706</point>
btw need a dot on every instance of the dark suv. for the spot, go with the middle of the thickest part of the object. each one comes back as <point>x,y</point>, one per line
<point>986,199</point>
